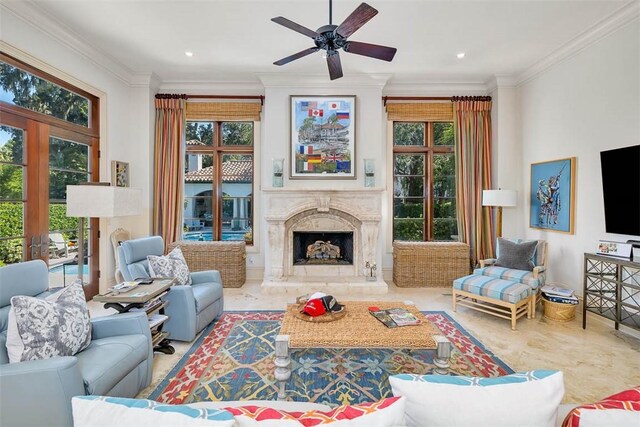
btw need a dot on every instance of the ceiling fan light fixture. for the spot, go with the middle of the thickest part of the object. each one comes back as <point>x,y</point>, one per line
<point>460,55</point>
<point>188,53</point>
<point>329,39</point>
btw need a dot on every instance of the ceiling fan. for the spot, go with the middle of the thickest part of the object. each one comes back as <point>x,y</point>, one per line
<point>331,38</point>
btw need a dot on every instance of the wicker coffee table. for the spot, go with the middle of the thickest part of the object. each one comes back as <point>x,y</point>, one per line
<point>357,329</point>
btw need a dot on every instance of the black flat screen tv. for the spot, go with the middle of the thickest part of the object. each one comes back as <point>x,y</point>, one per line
<point>621,188</point>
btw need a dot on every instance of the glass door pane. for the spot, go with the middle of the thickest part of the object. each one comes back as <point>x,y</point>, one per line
<point>237,197</point>
<point>12,195</point>
<point>69,164</point>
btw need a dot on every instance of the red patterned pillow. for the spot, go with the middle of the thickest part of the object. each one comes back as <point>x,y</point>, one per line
<point>620,409</point>
<point>385,412</point>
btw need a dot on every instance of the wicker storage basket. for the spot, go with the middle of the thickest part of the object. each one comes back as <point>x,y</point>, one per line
<point>226,257</point>
<point>429,264</point>
<point>558,311</point>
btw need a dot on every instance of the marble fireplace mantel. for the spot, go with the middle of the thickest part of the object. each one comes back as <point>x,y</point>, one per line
<point>354,210</point>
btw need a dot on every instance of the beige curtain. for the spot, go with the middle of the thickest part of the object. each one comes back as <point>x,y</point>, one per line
<point>168,165</point>
<point>472,130</point>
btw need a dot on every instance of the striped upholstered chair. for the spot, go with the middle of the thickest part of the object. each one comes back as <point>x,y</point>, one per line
<point>535,279</point>
<point>508,293</point>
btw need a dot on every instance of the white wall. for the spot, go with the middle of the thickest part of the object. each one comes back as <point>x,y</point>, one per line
<point>124,133</point>
<point>370,132</point>
<point>586,104</point>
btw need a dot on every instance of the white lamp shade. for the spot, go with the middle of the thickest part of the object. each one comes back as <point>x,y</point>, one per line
<point>499,197</point>
<point>101,201</point>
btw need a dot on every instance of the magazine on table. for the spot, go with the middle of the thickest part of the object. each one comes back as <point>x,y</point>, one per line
<point>395,317</point>
<point>563,300</point>
<point>557,291</point>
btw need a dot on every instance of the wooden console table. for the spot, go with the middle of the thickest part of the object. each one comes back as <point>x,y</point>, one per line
<point>142,297</point>
<point>612,290</point>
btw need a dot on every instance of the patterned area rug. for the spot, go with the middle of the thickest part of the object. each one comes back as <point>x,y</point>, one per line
<point>233,360</point>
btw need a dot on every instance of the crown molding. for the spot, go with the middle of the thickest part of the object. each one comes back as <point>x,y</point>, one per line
<point>322,80</point>
<point>146,80</point>
<point>35,16</point>
<point>618,19</point>
<point>434,86</point>
<point>217,87</point>
<point>501,81</point>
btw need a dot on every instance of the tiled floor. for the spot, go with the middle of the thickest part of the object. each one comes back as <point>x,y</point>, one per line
<point>596,362</point>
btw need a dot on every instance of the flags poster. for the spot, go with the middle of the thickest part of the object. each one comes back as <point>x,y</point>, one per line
<point>322,137</point>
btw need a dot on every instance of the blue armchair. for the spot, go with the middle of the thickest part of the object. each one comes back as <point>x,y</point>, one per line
<point>118,362</point>
<point>190,308</point>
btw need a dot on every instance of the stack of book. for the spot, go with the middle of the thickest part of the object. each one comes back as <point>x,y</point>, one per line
<point>559,295</point>
<point>394,317</point>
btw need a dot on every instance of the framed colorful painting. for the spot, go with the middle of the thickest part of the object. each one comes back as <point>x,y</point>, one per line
<point>120,173</point>
<point>553,195</point>
<point>323,137</point>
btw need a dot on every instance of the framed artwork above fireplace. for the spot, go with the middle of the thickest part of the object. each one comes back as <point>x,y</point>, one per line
<point>323,137</point>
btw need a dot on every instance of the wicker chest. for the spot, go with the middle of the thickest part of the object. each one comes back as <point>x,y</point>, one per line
<point>429,264</point>
<point>227,257</point>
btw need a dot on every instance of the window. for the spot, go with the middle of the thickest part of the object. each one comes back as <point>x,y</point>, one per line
<point>424,199</point>
<point>218,181</point>
<point>49,138</point>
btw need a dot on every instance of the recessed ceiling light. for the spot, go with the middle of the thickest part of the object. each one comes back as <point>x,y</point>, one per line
<point>460,55</point>
<point>188,53</point>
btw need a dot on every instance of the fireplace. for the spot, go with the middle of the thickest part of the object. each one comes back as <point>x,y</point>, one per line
<point>322,248</point>
<point>321,240</point>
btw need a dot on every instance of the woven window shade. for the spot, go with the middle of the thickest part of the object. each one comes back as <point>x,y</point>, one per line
<point>421,112</point>
<point>221,111</point>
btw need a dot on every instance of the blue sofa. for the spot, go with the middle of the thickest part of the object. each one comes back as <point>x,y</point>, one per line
<point>190,308</point>
<point>117,362</point>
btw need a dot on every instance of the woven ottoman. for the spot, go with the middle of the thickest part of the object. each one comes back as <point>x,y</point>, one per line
<point>502,298</point>
<point>429,264</point>
<point>228,257</point>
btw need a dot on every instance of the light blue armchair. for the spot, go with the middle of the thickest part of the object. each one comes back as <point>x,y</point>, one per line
<point>118,362</point>
<point>190,308</point>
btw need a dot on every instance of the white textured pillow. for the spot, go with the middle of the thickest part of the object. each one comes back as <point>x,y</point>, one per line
<point>41,328</point>
<point>117,411</point>
<point>524,399</point>
<point>171,265</point>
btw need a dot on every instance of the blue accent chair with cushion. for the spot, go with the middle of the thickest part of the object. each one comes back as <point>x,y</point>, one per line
<point>117,362</point>
<point>190,308</point>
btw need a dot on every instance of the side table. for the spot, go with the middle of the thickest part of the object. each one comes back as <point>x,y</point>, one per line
<point>147,298</point>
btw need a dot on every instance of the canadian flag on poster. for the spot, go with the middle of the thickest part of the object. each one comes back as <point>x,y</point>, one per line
<point>333,105</point>
<point>316,113</point>
<point>307,167</point>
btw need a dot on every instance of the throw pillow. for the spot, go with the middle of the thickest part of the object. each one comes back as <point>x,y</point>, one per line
<point>383,413</point>
<point>171,265</point>
<point>90,411</point>
<point>621,409</point>
<point>41,328</point>
<point>516,255</point>
<point>524,399</point>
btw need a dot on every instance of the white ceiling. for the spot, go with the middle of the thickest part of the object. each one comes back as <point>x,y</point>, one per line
<point>235,40</point>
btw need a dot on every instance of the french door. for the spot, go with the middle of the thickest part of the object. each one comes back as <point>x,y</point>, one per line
<point>37,161</point>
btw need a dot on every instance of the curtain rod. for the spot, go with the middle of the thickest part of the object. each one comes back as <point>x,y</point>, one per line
<point>182,96</point>
<point>435,98</point>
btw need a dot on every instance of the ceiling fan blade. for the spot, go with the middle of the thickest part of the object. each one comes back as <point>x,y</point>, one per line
<point>295,27</point>
<point>360,16</point>
<point>296,56</point>
<point>372,50</point>
<point>335,67</point>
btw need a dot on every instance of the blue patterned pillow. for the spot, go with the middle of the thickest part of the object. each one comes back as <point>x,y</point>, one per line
<point>118,411</point>
<point>527,399</point>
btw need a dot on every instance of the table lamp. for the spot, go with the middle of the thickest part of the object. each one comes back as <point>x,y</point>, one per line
<point>499,198</point>
<point>99,200</point>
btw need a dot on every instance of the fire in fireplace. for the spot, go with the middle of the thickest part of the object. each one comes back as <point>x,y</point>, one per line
<point>323,247</point>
